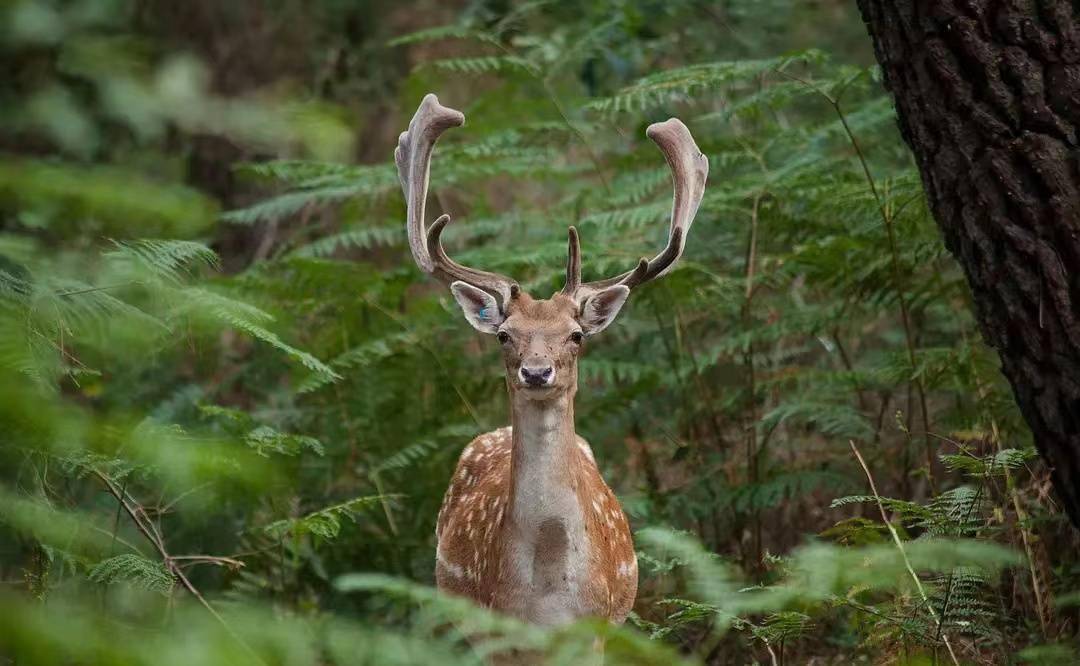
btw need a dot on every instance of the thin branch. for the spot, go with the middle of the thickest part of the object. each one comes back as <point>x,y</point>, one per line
<point>118,539</point>
<point>903,552</point>
<point>169,506</point>
<point>846,360</point>
<point>894,261</point>
<point>1041,606</point>
<point>210,559</point>
<point>748,360</point>
<point>384,501</point>
<point>772,655</point>
<point>116,519</point>
<point>146,527</point>
<point>90,290</point>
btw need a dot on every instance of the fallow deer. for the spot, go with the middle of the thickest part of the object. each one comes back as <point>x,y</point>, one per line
<point>528,527</point>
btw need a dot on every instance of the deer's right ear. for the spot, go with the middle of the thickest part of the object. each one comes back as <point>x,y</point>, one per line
<point>600,309</point>
<point>480,308</point>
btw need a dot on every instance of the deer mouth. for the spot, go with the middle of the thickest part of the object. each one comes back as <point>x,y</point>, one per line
<point>538,392</point>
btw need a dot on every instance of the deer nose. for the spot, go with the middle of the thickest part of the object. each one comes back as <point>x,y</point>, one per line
<point>537,376</point>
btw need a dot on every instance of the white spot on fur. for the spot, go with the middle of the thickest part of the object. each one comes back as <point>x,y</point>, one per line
<point>586,450</point>
<point>451,568</point>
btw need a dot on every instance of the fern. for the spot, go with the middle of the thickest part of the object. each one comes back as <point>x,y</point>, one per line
<point>997,464</point>
<point>444,32</point>
<point>133,569</point>
<point>360,357</point>
<point>781,627</point>
<point>485,65</point>
<point>682,83</point>
<point>324,523</point>
<point>249,319</point>
<point>227,393</point>
<point>167,260</point>
<point>360,239</point>
<point>831,419</point>
<point>265,440</point>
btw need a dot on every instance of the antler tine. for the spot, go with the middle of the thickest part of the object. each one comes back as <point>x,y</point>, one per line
<point>413,159</point>
<point>573,263</point>
<point>448,270</point>
<point>689,171</point>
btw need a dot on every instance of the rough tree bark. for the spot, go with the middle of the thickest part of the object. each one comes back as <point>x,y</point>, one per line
<point>987,95</point>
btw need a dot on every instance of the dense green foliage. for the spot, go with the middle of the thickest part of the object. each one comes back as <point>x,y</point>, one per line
<point>230,403</point>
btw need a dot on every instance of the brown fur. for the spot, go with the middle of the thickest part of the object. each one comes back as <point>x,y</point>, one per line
<point>474,517</point>
<point>476,520</point>
<point>529,502</point>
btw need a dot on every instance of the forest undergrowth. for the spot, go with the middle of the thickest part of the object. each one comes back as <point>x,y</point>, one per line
<point>231,403</point>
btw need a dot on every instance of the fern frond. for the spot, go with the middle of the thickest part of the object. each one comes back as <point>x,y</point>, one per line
<point>361,356</point>
<point>491,64</point>
<point>444,32</point>
<point>133,569</point>
<point>324,523</point>
<point>785,626</point>
<point>839,420</point>
<point>171,261</point>
<point>364,239</point>
<point>265,440</point>
<point>996,464</point>
<point>249,319</point>
<point>682,83</point>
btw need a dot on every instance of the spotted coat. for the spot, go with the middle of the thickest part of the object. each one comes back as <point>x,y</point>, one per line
<point>474,534</point>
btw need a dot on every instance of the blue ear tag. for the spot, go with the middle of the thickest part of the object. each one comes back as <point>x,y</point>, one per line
<point>482,315</point>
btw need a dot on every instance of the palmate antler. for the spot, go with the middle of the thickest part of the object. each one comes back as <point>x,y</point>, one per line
<point>413,158</point>
<point>689,170</point>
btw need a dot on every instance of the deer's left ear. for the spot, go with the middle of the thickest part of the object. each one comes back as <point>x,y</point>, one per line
<point>600,309</point>
<point>480,308</point>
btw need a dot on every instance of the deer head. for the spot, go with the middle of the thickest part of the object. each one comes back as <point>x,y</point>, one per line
<point>540,339</point>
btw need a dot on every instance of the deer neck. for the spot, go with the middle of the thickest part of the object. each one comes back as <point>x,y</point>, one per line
<point>541,464</point>
<point>546,544</point>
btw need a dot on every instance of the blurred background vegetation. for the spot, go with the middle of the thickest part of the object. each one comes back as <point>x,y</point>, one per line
<point>231,404</point>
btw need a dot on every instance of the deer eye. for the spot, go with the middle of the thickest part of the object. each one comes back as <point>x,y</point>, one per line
<point>576,337</point>
<point>503,337</point>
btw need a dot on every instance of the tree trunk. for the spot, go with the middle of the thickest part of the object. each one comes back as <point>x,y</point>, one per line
<point>987,96</point>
